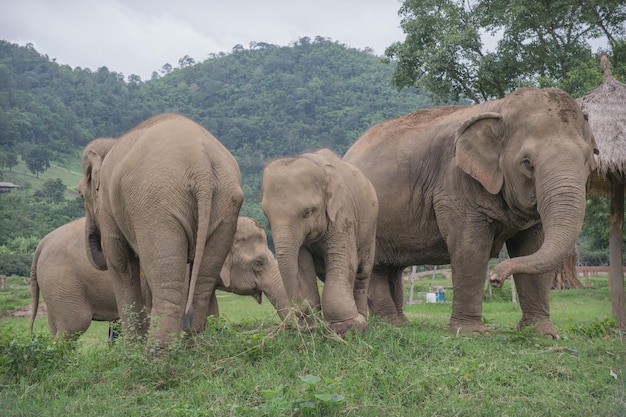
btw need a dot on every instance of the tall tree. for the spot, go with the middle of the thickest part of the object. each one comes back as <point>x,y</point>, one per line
<point>38,159</point>
<point>538,43</point>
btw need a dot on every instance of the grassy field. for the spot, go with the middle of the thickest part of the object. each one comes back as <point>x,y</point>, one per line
<point>247,364</point>
<point>70,176</point>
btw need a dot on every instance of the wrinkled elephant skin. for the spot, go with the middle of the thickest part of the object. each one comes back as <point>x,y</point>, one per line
<point>322,213</point>
<point>76,293</point>
<point>456,183</point>
<point>166,192</point>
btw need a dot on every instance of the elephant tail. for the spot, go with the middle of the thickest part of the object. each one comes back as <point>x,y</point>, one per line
<point>204,215</point>
<point>34,290</point>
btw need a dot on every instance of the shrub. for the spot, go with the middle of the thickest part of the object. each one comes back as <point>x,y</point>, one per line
<point>30,355</point>
<point>16,264</point>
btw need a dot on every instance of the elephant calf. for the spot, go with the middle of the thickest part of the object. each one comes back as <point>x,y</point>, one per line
<point>322,212</point>
<point>76,293</point>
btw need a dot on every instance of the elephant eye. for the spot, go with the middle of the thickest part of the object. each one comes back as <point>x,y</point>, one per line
<point>307,212</point>
<point>258,264</point>
<point>528,165</point>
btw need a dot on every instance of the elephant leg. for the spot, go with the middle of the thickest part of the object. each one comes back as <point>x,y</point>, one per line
<point>381,300</point>
<point>164,253</point>
<point>469,249</point>
<point>75,323</point>
<point>533,290</point>
<point>307,280</point>
<point>338,302</point>
<point>396,287</point>
<point>66,319</point>
<point>361,285</point>
<point>126,283</point>
<point>216,249</point>
<point>214,309</point>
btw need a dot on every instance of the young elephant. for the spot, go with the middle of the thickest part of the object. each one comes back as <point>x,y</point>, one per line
<point>322,212</point>
<point>76,293</point>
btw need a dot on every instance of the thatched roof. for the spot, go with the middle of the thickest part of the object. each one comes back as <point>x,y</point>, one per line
<point>606,106</point>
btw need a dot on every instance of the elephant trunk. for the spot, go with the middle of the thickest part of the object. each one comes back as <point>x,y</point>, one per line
<point>94,245</point>
<point>287,252</point>
<point>561,207</point>
<point>274,290</point>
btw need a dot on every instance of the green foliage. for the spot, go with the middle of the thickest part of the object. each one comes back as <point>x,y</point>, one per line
<point>31,357</point>
<point>593,330</point>
<point>38,160</point>
<point>25,219</point>
<point>16,263</point>
<point>17,292</point>
<point>251,366</point>
<point>317,402</point>
<point>262,103</point>
<point>53,190</point>
<point>539,43</point>
<point>594,236</point>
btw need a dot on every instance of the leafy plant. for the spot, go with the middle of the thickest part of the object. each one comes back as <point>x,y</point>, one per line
<point>32,357</point>
<point>319,400</point>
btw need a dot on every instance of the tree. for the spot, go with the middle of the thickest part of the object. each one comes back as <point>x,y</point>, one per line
<point>53,190</point>
<point>38,159</point>
<point>186,62</point>
<point>539,44</point>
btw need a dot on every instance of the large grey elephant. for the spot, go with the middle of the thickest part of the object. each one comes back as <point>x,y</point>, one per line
<point>322,212</point>
<point>166,192</point>
<point>76,293</point>
<point>456,183</point>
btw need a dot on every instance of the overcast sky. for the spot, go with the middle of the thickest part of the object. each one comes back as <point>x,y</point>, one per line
<point>140,36</point>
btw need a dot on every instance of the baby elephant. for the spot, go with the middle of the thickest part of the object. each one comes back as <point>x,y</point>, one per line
<point>76,293</point>
<point>322,212</point>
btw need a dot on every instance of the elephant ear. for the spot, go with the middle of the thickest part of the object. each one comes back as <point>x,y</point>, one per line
<point>226,267</point>
<point>92,170</point>
<point>477,150</point>
<point>336,192</point>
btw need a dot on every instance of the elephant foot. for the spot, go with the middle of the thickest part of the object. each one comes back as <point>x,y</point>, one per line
<point>401,319</point>
<point>358,323</point>
<point>543,327</point>
<point>475,327</point>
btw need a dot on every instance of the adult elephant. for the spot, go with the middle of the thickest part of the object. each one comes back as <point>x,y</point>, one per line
<point>76,293</point>
<point>167,192</point>
<point>322,212</point>
<point>456,183</point>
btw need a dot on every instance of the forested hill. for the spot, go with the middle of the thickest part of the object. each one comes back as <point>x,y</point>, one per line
<point>261,102</point>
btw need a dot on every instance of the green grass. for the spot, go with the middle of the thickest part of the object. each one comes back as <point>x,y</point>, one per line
<point>70,175</point>
<point>246,364</point>
<point>15,295</point>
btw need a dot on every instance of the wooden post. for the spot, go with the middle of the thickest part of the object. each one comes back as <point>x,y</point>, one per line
<point>513,294</point>
<point>412,280</point>
<point>616,259</point>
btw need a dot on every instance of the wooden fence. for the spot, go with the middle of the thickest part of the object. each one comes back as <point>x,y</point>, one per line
<point>593,270</point>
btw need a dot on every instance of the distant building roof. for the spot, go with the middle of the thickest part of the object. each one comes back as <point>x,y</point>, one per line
<point>6,187</point>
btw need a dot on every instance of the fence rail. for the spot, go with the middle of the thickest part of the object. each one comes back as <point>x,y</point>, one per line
<point>593,270</point>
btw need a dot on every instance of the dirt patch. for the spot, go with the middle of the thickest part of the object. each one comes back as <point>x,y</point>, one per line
<point>25,311</point>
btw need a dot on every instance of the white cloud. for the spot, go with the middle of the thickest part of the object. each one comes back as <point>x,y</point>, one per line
<point>140,36</point>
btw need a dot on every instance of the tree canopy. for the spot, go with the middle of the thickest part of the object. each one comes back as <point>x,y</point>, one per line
<point>537,43</point>
<point>261,102</point>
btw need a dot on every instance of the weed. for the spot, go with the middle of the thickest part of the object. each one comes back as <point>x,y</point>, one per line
<point>31,356</point>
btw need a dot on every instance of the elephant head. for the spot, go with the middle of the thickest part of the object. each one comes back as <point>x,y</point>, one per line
<point>300,197</point>
<point>535,162</point>
<point>250,268</point>
<point>88,187</point>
